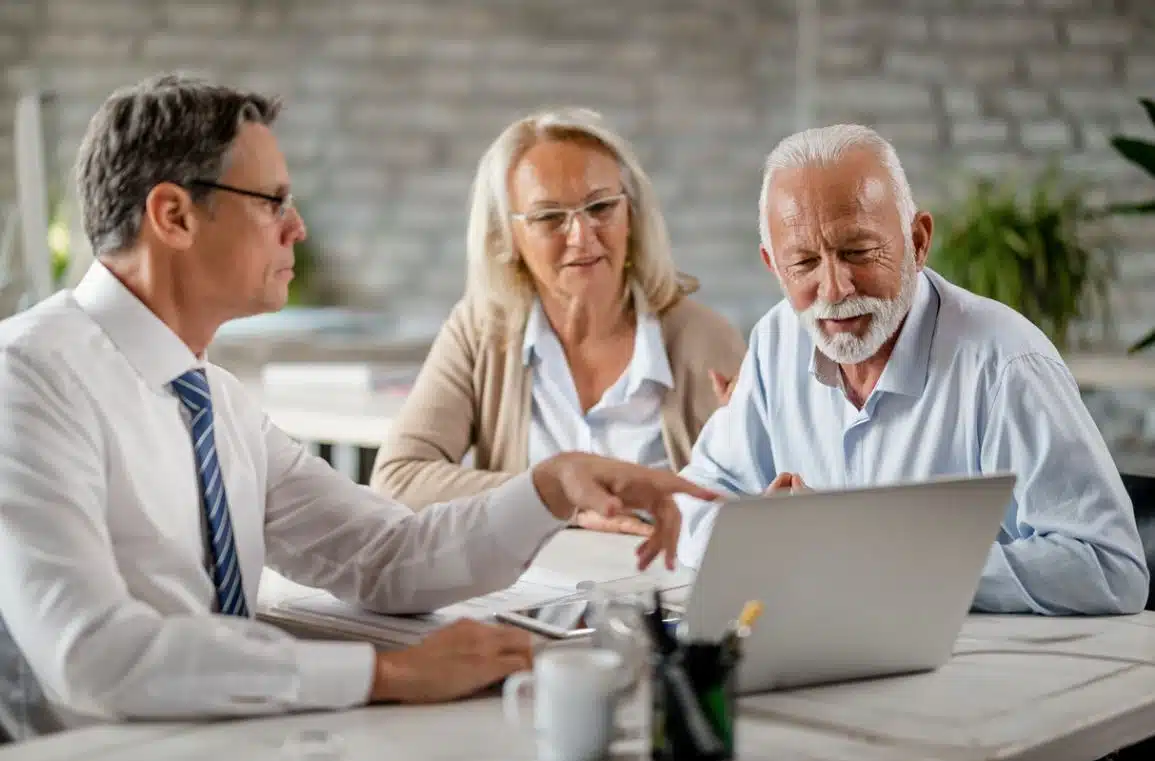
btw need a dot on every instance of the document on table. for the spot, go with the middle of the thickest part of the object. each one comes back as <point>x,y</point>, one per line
<point>675,587</point>
<point>323,610</point>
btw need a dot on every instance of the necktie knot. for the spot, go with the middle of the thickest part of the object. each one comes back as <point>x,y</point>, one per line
<point>192,388</point>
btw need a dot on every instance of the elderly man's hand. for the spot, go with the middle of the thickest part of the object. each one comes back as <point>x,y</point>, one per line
<point>723,387</point>
<point>572,482</point>
<point>790,483</point>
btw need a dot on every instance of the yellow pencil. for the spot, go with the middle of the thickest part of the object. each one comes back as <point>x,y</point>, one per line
<point>750,613</point>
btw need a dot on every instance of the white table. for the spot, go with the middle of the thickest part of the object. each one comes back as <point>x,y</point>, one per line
<point>331,414</point>
<point>1019,688</point>
<point>471,731</point>
<point>1133,372</point>
<point>349,419</point>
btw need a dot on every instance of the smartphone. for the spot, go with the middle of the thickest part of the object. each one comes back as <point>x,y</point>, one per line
<point>565,619</point>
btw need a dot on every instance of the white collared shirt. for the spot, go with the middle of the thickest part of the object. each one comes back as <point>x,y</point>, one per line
<point>625,423</point>
<point>103,582</point>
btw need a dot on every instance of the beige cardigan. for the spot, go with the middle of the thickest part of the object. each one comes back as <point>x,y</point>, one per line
<point>475,391</point>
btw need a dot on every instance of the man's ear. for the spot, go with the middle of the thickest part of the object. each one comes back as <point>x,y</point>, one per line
<point>921,232</point>
<point>168,216</point>
<point>767,259</point>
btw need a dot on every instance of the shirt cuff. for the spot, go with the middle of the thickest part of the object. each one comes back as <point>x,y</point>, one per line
<point>334,674</point>
<point>698,518</point>
<point>521,521</point>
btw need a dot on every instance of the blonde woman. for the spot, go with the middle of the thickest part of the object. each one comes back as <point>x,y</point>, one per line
<point>576,331</point>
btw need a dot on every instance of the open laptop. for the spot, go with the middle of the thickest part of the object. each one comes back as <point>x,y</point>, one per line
<point>856,583</point>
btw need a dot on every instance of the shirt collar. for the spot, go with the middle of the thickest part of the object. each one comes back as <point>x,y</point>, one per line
<point>906,370</point>
<point>156,353</point>
<point>649,363</point>
<point>536,329</point>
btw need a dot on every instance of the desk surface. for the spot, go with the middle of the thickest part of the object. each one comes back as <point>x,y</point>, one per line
<point>332,416</point>
<point>1134,372</point>
<point>328,413</point>
<point>1018,688</point>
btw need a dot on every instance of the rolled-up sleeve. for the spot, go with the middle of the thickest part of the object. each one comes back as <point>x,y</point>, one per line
<point>1073,546</point>
<point>732,456</point>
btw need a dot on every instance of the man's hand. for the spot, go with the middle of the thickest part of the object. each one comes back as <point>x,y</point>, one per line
<point>451,663</point>
<point>723,387</point>
<point>787,482</point>
<point>571,482</point>
<point>620,524</point>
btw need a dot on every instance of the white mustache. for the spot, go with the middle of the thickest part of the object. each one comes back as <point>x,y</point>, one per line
<point>844,310</point>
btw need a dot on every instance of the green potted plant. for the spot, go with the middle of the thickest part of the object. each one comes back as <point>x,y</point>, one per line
<point>59,240</point>
<point>1027,247</point>
<point>1142,154</point>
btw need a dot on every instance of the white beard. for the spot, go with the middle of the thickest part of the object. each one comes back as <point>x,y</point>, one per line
<point>886,316</point>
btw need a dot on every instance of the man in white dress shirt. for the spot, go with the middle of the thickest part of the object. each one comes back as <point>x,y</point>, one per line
<point>142,491</point>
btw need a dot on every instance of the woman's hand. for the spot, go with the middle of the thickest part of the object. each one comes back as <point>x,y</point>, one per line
<point>723,387</point>
<point>618,524</point>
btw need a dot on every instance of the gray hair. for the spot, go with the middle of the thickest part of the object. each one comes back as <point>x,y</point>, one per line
<point>165,129</point>
<point>823,146</point>
<point>496,276</point>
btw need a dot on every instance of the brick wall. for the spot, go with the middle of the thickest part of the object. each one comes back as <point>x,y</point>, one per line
<point>391,104</point>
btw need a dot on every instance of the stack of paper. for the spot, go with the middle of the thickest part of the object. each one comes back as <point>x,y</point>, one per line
<point>325,612</point>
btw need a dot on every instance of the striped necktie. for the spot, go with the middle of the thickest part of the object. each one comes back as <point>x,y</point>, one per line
<point>193,390</point>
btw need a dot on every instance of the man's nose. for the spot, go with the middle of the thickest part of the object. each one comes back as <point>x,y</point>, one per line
<point>836,284</point>
<point>295,229</point>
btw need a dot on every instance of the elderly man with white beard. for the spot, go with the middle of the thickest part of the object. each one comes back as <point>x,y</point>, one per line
<point>874,370</point>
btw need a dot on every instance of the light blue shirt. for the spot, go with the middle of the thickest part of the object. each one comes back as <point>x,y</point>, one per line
<point>971,387</point>
<point>625,423</point>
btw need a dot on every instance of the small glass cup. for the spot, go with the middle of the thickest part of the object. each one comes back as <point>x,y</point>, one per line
<point>619,624</point>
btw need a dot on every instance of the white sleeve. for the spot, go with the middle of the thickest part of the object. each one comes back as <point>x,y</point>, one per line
<point>323,530</point>
<point>93,647</point>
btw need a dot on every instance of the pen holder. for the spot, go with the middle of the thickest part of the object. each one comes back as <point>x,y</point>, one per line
<point>693,702</point>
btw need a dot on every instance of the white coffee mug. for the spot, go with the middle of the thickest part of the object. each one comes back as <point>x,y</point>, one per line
<point>575,694</point>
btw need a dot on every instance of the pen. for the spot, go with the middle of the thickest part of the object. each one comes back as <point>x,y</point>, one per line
<point>662,639</point>
<point>741,628</point>
<point>750,613</point>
